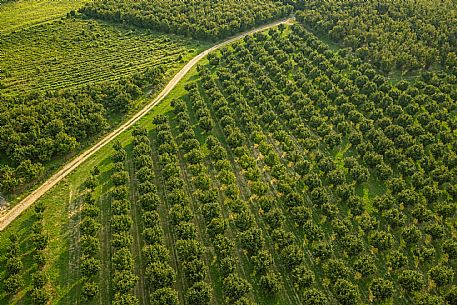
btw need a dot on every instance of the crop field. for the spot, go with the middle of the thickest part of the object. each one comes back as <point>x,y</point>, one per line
<point>72,53</point>
<point>312,163</point>
<point>395,35</point>
<point>15,15</point>
<point>269,177</point>
<point>65,82</point>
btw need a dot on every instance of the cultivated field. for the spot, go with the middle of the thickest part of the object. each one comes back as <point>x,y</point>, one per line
<point>65,82</point>
<point>282,169</point>
<point>72,53</point>
<point>230,196</point>
<point>15,15</point>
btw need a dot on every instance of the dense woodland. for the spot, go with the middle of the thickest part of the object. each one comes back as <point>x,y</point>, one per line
<point>394,35</point>
<point>201,19</point>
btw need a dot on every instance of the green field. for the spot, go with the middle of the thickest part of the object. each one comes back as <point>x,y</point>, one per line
<point>15,15</point>
<point>72,53</point>
<point>284,169</point>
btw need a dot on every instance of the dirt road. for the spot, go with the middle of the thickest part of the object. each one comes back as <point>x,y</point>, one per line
<point>15,211</point>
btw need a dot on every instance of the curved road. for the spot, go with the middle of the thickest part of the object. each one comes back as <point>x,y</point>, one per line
<point>15,211</point>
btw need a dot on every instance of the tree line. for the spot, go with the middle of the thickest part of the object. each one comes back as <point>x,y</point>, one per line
<point>39,288</point>
<point>89,241</point>
<point>41,127</point>
<point>202,19</point>
<point>158,270</point>
<point>123,277</point>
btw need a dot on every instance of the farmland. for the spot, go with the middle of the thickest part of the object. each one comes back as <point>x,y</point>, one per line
<point>73,53</point>
<point>99,71</point>
<point>16,15</point>
<point>237,179</point>
<point>287,167</point>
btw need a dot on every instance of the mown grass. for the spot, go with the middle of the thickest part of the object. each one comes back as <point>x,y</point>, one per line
<point>15,15</point>
<point>59,212</point>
